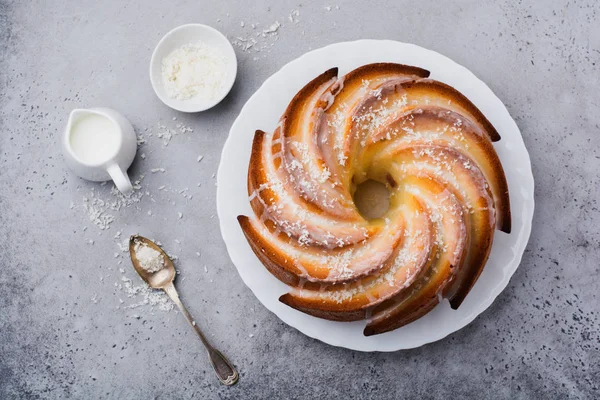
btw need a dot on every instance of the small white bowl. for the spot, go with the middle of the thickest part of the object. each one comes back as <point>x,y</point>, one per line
<point>186,34</point>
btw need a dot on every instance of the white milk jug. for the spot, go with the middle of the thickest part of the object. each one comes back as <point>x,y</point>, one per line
<point>99,144</point>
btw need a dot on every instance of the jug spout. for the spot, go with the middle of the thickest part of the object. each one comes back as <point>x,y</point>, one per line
<point>76,115</point>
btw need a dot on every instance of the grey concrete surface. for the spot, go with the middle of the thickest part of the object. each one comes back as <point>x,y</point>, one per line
<point>64,332</point>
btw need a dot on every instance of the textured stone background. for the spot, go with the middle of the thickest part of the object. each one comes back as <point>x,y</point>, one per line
<point>63,331</point>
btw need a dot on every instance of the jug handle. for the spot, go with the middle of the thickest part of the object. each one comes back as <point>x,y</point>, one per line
<point>120,179</point>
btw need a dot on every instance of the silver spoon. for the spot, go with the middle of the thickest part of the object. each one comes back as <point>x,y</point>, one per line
<point>163,279</point>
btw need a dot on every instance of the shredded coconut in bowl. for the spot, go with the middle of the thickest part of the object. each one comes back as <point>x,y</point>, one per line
<point>194,70</point>
<point>149,259</point>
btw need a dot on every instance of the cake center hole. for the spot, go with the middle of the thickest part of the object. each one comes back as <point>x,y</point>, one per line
<point>372,199</point>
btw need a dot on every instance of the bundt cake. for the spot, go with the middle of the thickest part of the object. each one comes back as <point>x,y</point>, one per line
<point>432,149</point>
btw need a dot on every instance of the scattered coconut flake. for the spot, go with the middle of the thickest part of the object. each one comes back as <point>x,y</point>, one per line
<point>149,297</point>
<point>273,28</point>
<point>123,245</point>
<point>293,17</point>
<point>98,207</point>
<point>262,40</point>
<point>166,133</point>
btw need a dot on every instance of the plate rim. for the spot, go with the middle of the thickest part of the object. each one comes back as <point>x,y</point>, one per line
<point>528,206</point>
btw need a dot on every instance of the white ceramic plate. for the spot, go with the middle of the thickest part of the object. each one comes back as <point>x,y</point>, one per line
<point>263,110</point>
<point>186,34</point>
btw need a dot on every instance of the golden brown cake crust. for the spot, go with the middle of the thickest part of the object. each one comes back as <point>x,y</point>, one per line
<point>433,150</point>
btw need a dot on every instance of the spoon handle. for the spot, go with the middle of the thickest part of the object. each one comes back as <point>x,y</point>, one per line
<point>226,372</point>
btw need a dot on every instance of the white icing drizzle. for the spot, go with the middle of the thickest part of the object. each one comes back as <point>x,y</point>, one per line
<point>312,161</point>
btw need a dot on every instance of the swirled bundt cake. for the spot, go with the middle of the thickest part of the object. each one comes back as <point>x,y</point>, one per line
<point>428,144</point>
